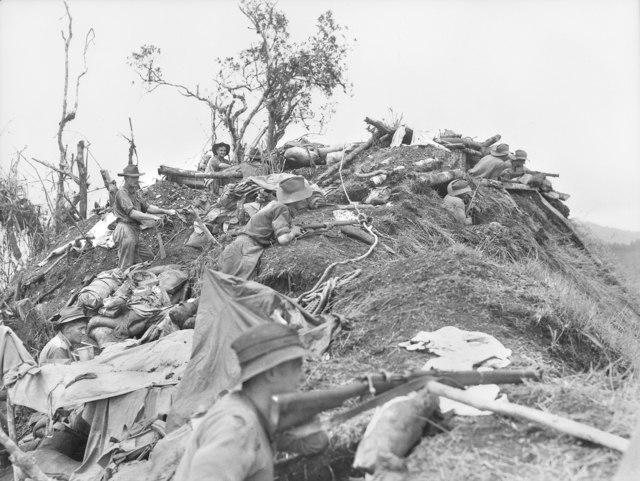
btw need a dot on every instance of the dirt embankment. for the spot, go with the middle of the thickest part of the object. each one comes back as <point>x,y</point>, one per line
<point>520,275</point>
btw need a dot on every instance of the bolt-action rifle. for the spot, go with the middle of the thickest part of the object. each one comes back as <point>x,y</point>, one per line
<point>293,409</point>
<point>546,174</point>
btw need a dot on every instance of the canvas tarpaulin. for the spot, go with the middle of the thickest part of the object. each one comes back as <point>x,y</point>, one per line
<point>115,420</point>
<point>228,307</point>
<point>120,369</point>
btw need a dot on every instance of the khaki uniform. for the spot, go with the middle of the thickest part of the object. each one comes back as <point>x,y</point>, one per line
<point>489,167</point>
<point>455,205</point>
<point>56,350</point>
<point>217,164</point>
<point>127,233</point>
<point>231,444</point>
<point>241,257</point>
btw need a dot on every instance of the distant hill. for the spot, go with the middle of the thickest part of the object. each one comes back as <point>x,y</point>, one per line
<point>608,235</point>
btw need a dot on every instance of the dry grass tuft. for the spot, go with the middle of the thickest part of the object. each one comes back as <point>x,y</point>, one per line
<point>494,448</point>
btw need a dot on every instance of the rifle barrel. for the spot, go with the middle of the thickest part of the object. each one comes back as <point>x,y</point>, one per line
<point>292,409</point>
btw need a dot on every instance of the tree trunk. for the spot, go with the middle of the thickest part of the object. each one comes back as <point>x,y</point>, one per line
<point>233,172</point>
<point>82,174</point>
<point>110,185</point>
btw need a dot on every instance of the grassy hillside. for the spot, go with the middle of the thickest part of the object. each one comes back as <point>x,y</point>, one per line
<point>608,235</point>
<point>521,274</point>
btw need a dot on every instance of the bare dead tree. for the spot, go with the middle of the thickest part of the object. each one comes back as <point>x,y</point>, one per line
<point>132,144</point>
<point>64,168</point>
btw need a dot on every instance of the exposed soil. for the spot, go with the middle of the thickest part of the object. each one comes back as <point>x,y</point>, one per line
<point>431,273</point>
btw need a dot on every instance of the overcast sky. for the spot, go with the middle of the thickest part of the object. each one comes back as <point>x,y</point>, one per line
<point>557,78</point>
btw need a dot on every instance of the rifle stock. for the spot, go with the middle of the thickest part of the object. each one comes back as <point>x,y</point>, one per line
<point>292,409</point>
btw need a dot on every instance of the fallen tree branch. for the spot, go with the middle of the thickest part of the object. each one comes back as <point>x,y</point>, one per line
<point>40,276</point>
<point>552,421</point>
<point>21,460</point>
<point>57,169</point>
<point>50,291</point>
<point>204,228</point>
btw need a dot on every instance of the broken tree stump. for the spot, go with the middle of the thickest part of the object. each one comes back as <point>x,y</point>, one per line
<point>82,175</point>
<point>110,185</point>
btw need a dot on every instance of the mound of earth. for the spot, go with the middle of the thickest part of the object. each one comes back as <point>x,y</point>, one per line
<point>520,274</point>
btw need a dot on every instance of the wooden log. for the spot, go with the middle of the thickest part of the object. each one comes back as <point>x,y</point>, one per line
<point>21,461</point>
<point>110,185</point>
<point>553,421</point>
<point>82,175</point>
<point>204,228</point>
<point>427,165</point>
<point>230,173</point>
<point>472,152</point>
<point>491,140</point>
<point>50,291</point>
<point>186,181</point>
<point>381,126</point>
<point>438,178</point>
<point>163,253</point>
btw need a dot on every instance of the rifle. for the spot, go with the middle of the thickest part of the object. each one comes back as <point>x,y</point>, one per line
<point>473,197</point>
<point>547,174</point>
<point>293,409</point>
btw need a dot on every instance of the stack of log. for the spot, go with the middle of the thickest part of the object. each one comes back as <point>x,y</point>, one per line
<point>476,150</point>
<point>195,179</point>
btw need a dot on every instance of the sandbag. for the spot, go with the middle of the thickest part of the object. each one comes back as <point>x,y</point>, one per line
<point>93,295</point>
<point>394,429</point>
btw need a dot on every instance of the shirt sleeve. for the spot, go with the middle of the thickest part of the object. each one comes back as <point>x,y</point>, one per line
<point>227,452</point>
<point>124,202</point>
<point>457,208</point>
<point>54,355</point>
<point>281,223</point>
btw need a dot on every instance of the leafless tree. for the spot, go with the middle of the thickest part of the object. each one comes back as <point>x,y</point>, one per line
<point>64,169</point>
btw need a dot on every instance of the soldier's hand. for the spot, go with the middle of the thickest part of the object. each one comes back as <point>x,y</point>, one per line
<point>172,212</point>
